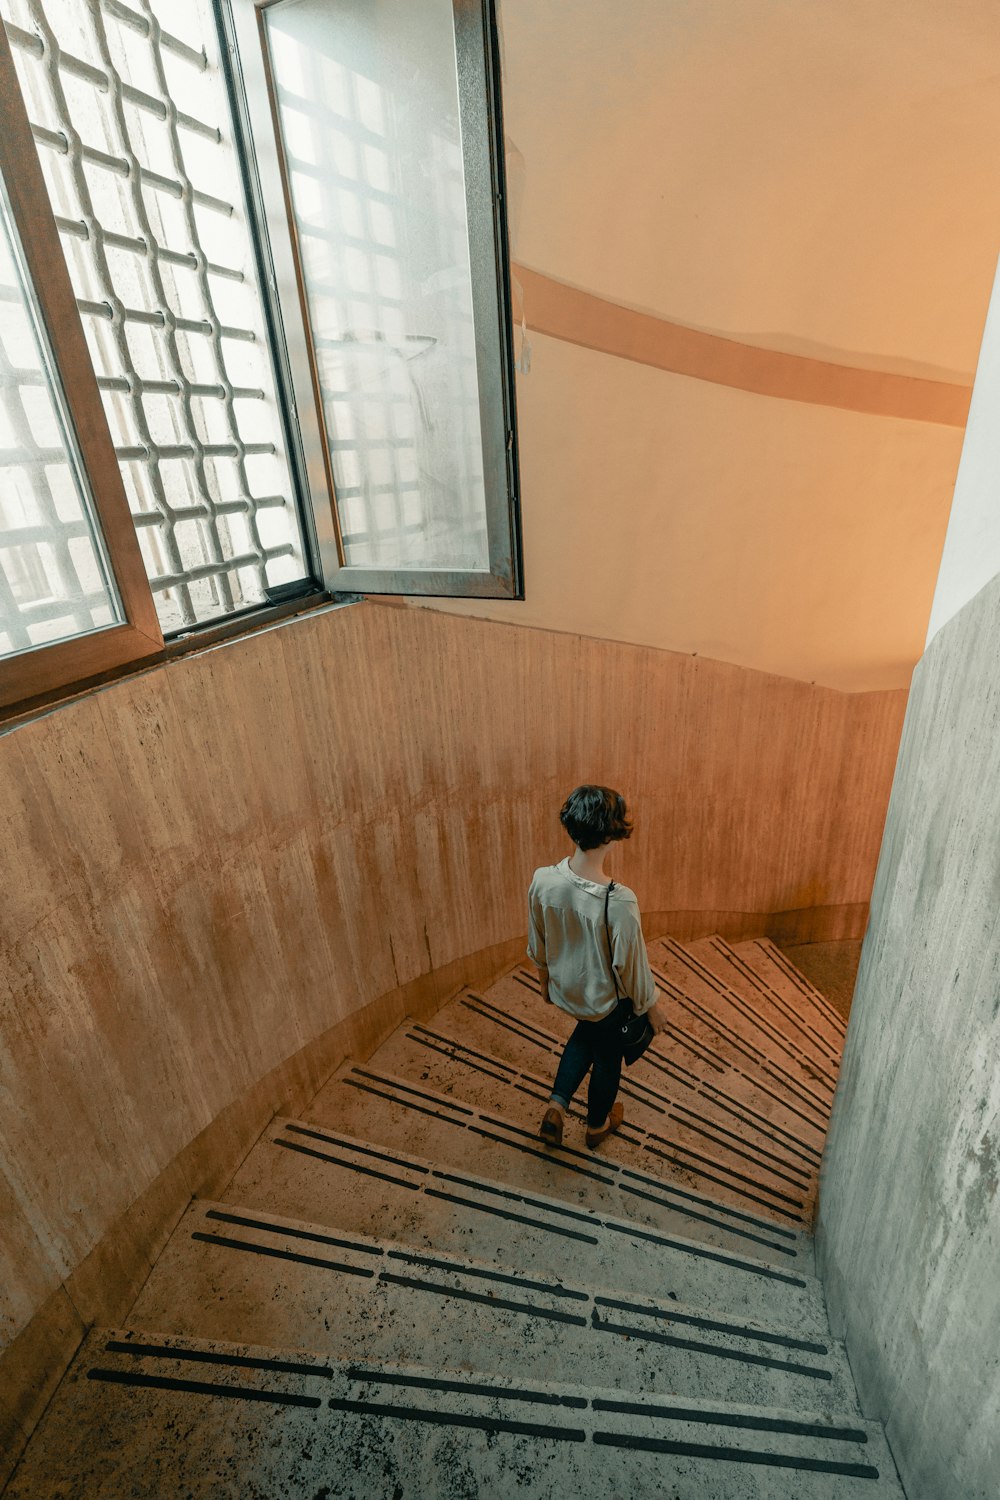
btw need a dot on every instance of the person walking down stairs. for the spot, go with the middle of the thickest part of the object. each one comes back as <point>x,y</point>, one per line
<point>585,939</point>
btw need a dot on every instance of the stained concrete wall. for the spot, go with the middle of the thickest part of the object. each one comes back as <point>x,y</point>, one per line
<point>909,1230</point>
<point>220,874</point>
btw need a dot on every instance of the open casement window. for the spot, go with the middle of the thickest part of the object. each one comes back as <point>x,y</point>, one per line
<point>374,130</point>
<point>74,596</point>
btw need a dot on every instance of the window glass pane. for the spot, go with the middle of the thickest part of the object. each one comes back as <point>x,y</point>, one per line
<point>131,116</point>
<point>368,103</point>
<point>54,579</point>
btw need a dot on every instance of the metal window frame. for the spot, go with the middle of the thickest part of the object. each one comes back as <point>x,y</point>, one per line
<point>47,667</point>
<point>255,110</point>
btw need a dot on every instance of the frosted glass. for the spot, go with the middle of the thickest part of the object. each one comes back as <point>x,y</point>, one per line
<point>368,105</point>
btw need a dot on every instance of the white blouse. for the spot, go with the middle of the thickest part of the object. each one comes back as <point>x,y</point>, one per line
<point>566,935</point>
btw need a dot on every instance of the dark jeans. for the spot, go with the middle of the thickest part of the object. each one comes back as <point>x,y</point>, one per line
<point>594,1045</point>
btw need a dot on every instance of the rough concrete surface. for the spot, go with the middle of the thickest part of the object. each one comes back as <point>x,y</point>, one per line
<point>909,1234</point>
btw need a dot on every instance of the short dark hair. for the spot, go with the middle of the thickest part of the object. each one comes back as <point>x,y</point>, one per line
<point>595,815</point>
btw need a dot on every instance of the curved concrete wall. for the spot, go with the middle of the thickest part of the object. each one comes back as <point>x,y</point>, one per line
<point>221,874</point>
<point>909,1227</point>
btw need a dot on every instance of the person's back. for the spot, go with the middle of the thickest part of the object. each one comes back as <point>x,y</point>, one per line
<point>567,915</point>
<point>585,938</point>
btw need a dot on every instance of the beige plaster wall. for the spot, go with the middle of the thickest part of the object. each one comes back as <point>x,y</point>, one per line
<point>811,180</point>
<point>221,874</point>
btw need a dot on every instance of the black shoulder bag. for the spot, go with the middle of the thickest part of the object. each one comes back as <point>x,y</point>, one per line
<point>634,1032</point>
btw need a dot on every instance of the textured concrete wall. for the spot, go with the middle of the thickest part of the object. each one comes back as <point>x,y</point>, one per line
<point>909,1201</point>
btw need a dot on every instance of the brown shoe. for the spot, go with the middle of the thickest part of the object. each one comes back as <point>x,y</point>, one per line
<point>617,1115</point>
<point>551,1128</point>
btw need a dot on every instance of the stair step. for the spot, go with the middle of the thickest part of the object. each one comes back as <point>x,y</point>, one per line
<point>535,1045</point>
<point>234,1274</point>
<point>799,1018</point>
<point>685,1051</point>
<point>703,1020</point>
<point>375,1105</point>
<point>150,1416</point>
<point>327,1176</point>
<point>695,1159</point>
<point>761,1018</point>
<point>768,961</point>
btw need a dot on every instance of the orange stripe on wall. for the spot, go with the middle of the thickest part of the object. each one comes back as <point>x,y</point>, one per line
<point>563,312</point>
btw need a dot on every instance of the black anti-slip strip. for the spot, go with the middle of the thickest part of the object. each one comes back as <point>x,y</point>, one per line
<point>427,1037</point>
<point>406,1088</point>
<point>551,1289</point>
<point>457,1054</point>
<point>712,1204</point>
<point>690,1213</point>
<point>202,1387</point>
<point>754,1268</point>
<point>720,1166</point>
<point>486,1299</point>
<point>752,1054</point>
<point>674,1070</point>
<point>532,1135</point>
<point>294,1234</point>
<point>736,1177</point>
<point>567,1166</point>
<point>698,1346</point>
<point>464,1387</point>
<point>212,1357</point>
<point>511,1197</point>
<point>353,1145</point>
<point>689,1044</point>
<point>352,1166</point>
<point>366,1088</point>
<point>743,1420</point>
<point>797,1176</point>
<point>733,1455</point>
<point>457,1419</point>
<point>526,1033</point>
<point>747,1115</point>
<point>510,1214</point>
<point>275,1254</point>
<point>713,1325</point>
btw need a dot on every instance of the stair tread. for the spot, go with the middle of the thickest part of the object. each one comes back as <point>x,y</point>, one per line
<point>683,1052</point>
<point>150,1416</point>
<point>327,1176</point>
<point>723,981</point>
<point>374,1103</point>
<point>767,959</point>
<point>670,1140</point>
<point>235,1274</point>
<point>808,1015</point>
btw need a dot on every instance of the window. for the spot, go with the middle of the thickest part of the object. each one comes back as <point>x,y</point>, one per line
<point>377,131</point>
<point>71,576</point>
<point>289,354</point>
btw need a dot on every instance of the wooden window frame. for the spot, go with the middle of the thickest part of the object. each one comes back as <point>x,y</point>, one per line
<point>46,667</point>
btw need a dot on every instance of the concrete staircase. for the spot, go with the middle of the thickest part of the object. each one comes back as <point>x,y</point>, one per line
<point>405,1294</point>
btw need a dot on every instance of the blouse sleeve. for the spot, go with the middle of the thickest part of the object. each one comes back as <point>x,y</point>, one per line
<point>536,931</point>
<point>631,959</point>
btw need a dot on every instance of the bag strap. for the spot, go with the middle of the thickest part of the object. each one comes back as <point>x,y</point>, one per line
<point>607,929</point>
